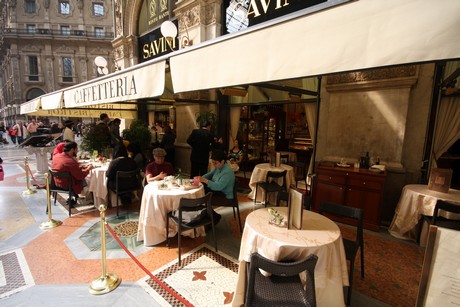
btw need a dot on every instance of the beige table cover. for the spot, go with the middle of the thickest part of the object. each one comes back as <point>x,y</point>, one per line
<point>417,200</point>
<point>97,184</point>
<point>319,236</point>
<point>155,206</point>
<point>260,173</point>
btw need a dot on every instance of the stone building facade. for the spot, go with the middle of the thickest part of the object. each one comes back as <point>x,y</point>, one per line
<point>50,45</point>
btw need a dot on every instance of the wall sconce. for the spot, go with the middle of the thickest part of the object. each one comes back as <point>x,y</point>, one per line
<point>169,31</point>
<point>295,97</point>
<point>234,91</point>
<point>101,64</point>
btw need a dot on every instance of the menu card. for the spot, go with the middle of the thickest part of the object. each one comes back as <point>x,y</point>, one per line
<point>295,209</point>
<point>440,283</point>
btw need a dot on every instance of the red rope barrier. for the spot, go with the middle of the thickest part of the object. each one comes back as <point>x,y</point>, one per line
<point>35,181</point>
<point>159,282</point>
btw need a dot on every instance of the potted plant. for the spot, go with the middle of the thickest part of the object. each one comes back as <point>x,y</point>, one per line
<point>201,117</point>
<point>95,137</point>
<point>138,132</point>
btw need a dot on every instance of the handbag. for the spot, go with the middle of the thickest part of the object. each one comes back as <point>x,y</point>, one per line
<point>2,174</point>
<point>14,132</point>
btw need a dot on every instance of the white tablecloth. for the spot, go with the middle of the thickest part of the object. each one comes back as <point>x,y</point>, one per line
<point>319,236</point>
<point>417,200</point>
<point>155,206</point>
<point>97,184</point>
<point>260,173</point>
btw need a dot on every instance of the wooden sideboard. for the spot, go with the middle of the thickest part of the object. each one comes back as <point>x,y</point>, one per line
<point>359,188</point>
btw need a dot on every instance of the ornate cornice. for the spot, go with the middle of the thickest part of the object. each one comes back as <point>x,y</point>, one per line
<point>401,76</point>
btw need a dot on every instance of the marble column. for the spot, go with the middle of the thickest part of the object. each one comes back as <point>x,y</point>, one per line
<point>42,155</point>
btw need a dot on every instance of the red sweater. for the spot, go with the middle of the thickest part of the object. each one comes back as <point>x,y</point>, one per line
<point>64,163</point>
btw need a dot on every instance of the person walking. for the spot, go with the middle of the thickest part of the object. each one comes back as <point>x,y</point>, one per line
<point>21,131</point>
<point>32,127</point>
<point>200,140</point>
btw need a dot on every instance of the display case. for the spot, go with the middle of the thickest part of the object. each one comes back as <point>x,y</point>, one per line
<point>261,130</point>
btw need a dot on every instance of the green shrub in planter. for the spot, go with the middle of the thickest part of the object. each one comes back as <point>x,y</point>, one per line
<point>138,132</point>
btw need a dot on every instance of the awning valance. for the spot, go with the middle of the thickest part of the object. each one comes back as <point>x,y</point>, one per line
<point>52,101</point>
<point>355,36</point>
<point>87,113</point>
<point>30,106</point>
<point>140,82</point>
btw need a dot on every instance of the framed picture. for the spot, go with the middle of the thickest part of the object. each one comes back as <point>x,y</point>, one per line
<point>440,180</point>
<point>295,208</point>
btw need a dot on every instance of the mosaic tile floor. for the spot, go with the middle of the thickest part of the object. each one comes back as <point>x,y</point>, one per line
<point>206,278</point>
<point>14,273</point>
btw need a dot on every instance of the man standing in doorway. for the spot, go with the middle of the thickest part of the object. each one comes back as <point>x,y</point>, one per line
<point>200,140</point>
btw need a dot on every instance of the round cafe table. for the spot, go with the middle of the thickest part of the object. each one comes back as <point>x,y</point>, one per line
<point>319,236</point>
<point>156,204</point>
<point>260,173</point>
<point>417,200</point>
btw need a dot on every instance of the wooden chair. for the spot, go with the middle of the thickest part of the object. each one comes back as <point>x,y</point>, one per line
<point>351,247</point>
<point>189,206</point>
<point>283,287</point>
<point>123,176</point>
<point>436,219</point>
<point>284,159</point>
<point>300,172</point>
<point>54,189</point>
<point>270,185</point>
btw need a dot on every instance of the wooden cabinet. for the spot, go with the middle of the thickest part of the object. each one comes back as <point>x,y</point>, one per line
<point>350,187</point>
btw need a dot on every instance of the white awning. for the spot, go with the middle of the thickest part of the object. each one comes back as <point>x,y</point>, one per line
<point>354,36</point>
<point>146,81</point>
<point>52,101</point>
<point>30,106</point>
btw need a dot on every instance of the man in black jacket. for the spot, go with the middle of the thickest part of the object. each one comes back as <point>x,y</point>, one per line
<point>200,140</point>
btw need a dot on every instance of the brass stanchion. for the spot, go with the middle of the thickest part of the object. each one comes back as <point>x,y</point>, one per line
<point>29,190</point>
<point>51,223</point>
<point>107,281</point>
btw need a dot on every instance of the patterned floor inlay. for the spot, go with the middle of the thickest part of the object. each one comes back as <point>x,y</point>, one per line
<point>85,243</point>
<point>14,273</point>
<point>205,279</point>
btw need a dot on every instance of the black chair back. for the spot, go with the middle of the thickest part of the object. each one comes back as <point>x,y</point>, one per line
<point>273,176</point>
<point>283,287</point>
<point>54,189</point>
<point>447,207</point>
<point>351,247</point>
<point>191,205</point>
<point>126,176</point>
<point>300,171</point>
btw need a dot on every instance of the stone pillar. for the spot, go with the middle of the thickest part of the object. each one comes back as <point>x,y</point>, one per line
<point>41,153</point>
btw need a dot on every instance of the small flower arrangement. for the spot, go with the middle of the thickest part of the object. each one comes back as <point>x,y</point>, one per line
<point>83,155</point>
<point>275,217</point>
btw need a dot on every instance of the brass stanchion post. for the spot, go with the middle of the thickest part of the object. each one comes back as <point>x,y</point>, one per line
<point>29,190</point>
<point>107,281</point>
<point>51,223</point>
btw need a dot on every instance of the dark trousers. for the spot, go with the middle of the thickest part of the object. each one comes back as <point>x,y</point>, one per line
<point>198,169</point>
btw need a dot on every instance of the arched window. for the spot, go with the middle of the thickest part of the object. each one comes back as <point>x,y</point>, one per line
<point>34,93</point>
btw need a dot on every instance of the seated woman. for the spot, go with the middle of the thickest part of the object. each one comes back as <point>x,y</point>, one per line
<point>134,151</point>
<point>121,162</point>
<point>235,156</point>
<point>220,181</point>
<point>158,169</point>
